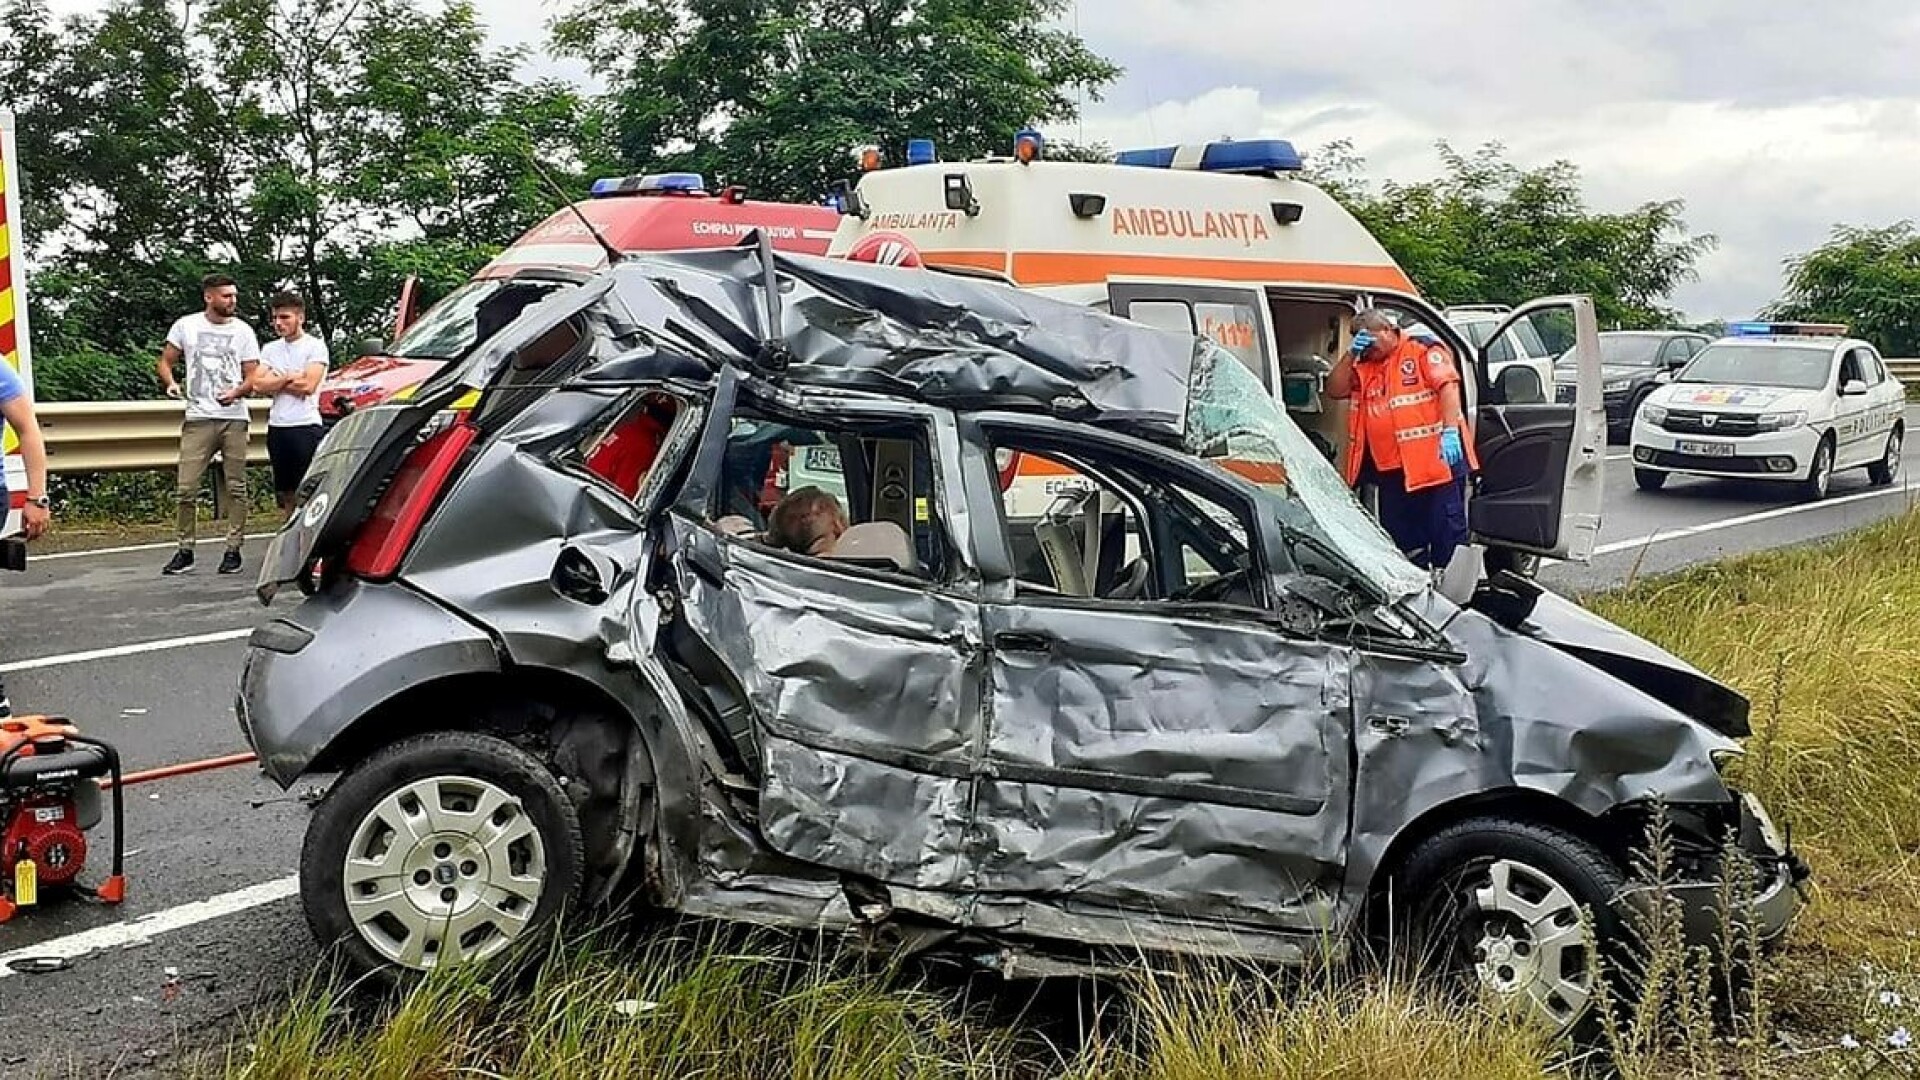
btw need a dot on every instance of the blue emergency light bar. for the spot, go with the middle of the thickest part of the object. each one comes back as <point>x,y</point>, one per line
<point>1786,329</point>
<point>674,183</point>
<point>1256,156</point>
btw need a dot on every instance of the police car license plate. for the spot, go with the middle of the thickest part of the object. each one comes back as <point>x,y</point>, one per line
<point>1705,449</point>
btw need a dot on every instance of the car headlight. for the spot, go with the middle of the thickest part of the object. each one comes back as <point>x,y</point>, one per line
<point>1653,414</point>
<point>1781,421</point>
<point>1614,386</point>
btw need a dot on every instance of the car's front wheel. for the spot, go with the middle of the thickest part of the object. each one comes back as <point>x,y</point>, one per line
<point>439,850</point>
<point>1514,908</point>
<point>1820,474</point>
<point>1649,479</point>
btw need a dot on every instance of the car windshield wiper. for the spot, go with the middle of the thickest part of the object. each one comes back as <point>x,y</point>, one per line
<point>1295,536</point>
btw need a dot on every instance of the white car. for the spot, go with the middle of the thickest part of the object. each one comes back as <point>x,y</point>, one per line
<point>1519,348</point>
<point>1791,402</point>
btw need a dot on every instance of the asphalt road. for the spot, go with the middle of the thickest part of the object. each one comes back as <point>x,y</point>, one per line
<point>210,930</point>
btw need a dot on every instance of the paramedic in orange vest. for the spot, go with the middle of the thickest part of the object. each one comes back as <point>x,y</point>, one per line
<point>1407,436</point>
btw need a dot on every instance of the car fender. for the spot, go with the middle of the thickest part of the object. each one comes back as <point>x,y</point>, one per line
<point>311,674</point>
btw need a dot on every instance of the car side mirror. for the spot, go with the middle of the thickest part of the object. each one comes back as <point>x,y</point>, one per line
<point>373,347</point>
<point>1675,363</point>
<point>1853,388</point>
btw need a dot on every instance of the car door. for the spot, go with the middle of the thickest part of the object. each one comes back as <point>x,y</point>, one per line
<point>1148,744</point>
<point>1856,432</point>
<point>1541,462</point>
<point>851,692</point>
<point>1234,316</point>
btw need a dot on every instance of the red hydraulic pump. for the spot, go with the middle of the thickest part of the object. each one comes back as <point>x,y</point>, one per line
<point>50,795</point>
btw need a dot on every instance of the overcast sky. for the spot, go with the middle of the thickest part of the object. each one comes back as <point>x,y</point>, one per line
<point>1773,119</point>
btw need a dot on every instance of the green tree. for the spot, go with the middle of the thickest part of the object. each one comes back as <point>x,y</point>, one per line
<point>1866,278</point>
<point>333,146</point>
<point>776,94</point>
<point>1487,231</point>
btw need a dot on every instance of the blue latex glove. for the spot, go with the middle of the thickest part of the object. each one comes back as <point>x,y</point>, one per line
<point>1451,447</point>
<point>1362,341</point>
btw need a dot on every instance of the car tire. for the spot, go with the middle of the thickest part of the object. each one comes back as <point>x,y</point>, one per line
<point>1496,904</point>
<point>1887,469</point>
<point>1649,479</point>
<point>496,877</point>
<point>1820,472</point>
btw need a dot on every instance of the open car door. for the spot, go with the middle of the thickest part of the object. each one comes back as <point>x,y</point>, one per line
<point>1542,461</point>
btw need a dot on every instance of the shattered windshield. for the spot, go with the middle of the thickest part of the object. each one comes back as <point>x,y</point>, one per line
<point>1235,423</point>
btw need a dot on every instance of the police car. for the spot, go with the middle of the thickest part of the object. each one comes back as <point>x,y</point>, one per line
<point>1793,402</point>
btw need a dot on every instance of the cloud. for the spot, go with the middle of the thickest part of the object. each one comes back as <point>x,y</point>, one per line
<point>1773,121</point>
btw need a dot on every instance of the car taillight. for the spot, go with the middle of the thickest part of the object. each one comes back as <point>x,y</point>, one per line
<point>384,539</point>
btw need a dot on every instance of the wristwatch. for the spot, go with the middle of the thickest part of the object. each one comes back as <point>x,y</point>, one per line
<point>41,501</point>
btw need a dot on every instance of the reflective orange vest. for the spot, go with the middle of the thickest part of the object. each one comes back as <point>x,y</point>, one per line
<point>1396,416</point>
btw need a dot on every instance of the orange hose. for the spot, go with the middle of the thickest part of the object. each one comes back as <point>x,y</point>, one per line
<point>184,768</point>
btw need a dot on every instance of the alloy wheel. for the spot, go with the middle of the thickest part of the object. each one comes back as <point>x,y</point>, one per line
<point>1524,937</point>
<point>447,869</point>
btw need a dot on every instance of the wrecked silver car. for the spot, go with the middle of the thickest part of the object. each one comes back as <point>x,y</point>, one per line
<point>558,654</point>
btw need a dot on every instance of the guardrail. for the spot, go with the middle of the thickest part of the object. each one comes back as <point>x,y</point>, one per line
<point>126,436</point>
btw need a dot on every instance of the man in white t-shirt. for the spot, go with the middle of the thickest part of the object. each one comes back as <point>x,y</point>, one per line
<point>292,367</point>
<point>220,352</point>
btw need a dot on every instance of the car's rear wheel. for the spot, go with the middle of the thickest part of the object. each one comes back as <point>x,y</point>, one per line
<point>1887,469</point>
<point>1820,474</point>
<point>1514,909</point>
<point>439,850</point>
<point>1649,479</point>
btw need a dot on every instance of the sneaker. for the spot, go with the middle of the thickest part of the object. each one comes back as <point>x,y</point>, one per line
<point>230,563</point>
<point>181,562</point>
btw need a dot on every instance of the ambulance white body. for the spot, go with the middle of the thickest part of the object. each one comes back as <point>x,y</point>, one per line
<point>14,347</point>
<point>1227,241</point>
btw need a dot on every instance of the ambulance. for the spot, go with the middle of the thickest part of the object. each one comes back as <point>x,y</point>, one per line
<point>15,349</point>
<point>1227,240</point>
<point>654,212</point>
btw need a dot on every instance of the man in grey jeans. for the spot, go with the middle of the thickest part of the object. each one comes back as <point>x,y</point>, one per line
<point>221,353</point>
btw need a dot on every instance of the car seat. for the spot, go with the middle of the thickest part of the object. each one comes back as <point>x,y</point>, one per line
<point>878,545</point>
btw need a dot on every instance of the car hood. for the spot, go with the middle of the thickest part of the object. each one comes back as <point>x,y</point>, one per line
<point>1634,660</point>
<point>1723,397</point>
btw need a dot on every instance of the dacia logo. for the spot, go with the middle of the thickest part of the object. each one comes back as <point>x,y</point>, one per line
<point>1709,421</point>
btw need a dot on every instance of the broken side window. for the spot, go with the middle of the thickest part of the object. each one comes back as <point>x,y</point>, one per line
<point>1117,530</point>
<point>864,494</point>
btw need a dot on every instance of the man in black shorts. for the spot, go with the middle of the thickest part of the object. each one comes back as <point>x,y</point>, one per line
<point>291,369</point>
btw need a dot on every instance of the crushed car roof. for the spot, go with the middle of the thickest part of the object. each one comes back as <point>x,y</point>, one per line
<point>916,333</point>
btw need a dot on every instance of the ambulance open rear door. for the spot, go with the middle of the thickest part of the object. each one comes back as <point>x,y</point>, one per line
<point>15,348</point>
<point>1234,316</point>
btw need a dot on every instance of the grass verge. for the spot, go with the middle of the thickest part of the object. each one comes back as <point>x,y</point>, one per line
<point>1824,639</point>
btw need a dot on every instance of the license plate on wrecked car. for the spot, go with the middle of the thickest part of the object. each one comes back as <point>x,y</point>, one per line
<point>1705,449</point>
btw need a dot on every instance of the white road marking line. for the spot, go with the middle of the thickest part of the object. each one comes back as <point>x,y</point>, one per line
<point>163,546</point>
<point>135,649</point>
<point>1683,531</point>
<point>1621,456</point>
<point>147,927</point>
